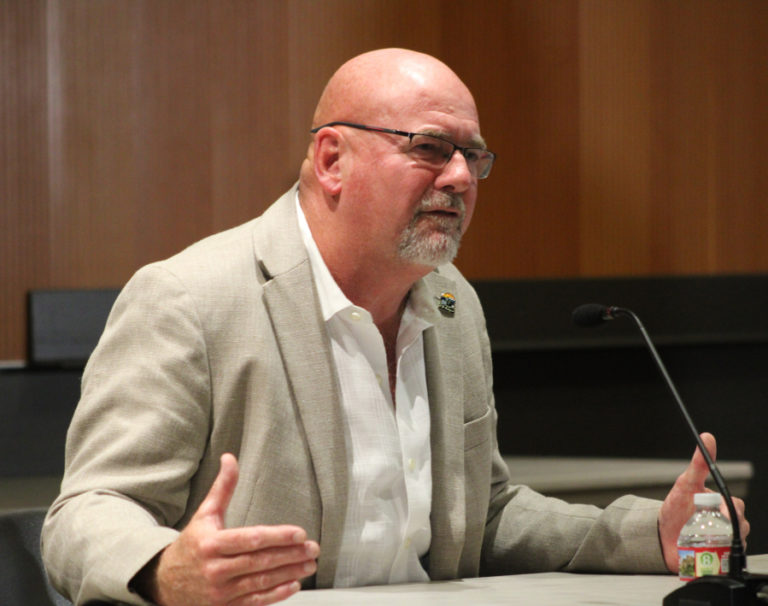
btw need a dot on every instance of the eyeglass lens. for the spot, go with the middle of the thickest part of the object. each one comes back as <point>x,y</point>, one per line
<point>437,152</point>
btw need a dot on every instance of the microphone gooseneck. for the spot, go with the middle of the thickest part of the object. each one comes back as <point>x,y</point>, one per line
<point>739,587</point>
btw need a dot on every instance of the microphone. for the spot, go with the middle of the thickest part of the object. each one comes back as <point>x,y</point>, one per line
<point>739,587</point>
<point>592,314</point>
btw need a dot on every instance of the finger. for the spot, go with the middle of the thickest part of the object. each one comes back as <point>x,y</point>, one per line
<point>261,582</point>
<point>740,507</point>
<point>247,539</point>
<point>217,500</point>
<point>744,530</point>
<point>266,560</point>
<point>276,594</point>
<point>698,470</point>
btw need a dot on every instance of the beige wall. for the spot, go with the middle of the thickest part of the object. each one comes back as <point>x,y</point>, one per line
<point>632,135</point>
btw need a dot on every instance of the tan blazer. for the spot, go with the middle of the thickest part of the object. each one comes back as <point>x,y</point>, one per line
<point>222,348</point>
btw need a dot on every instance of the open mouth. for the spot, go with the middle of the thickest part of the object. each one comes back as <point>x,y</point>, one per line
<point>442,212</point>
<point>441,220</point>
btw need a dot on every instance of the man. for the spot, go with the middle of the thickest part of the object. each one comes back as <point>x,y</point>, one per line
<point>321,376</point>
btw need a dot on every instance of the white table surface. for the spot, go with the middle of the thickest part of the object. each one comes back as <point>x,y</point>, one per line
<point>550,588</point>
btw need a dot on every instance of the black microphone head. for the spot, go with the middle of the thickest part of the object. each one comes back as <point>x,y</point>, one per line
<point>590,314</point>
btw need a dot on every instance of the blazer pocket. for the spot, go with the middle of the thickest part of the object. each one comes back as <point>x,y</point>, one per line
<point>478,430</point>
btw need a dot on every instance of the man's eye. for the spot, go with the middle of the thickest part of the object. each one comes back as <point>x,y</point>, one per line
<point>427,148</point>
<point>473,155</point>
<point>432,151</point>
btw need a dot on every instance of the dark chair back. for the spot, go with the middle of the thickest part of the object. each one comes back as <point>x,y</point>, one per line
<point>23,581</point>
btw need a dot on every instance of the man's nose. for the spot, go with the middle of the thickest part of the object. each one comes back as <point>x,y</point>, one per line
<point>456,174</point>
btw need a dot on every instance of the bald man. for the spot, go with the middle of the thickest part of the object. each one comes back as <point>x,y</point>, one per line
<point>306,400</point>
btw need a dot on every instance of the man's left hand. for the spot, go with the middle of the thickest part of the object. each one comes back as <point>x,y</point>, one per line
<point>678,506</point>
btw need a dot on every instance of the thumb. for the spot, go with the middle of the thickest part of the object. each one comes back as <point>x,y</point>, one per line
<point>217,500</point>
<point>698,470</point>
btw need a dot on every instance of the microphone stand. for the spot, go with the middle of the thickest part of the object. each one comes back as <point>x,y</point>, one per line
<point>740,587</point>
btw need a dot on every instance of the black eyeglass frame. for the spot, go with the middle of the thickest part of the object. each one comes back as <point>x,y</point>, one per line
<point>391,131</point>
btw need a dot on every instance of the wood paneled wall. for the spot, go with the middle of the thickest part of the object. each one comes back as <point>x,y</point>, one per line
<point>632,134</point>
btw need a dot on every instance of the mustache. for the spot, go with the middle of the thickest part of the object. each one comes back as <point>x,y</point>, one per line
<point>441,199</point>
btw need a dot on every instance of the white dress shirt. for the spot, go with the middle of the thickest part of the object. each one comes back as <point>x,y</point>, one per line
<point>387,526</point>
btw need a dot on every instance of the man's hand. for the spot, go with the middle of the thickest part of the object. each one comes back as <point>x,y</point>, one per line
<point>211,565</point>
<point>678,506</point>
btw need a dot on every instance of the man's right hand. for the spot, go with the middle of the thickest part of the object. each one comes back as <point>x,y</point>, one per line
<point>210,565</point>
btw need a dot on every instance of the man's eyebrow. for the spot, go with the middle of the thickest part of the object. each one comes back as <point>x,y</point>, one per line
<point>476,141</point>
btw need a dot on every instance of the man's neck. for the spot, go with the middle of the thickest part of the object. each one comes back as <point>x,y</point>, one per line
<point>383,292</point>
<point>378,285</point>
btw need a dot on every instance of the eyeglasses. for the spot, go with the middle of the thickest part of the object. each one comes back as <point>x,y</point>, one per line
<point>431,150</point>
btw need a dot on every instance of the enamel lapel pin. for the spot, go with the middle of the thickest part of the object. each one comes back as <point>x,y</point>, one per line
<point>446,303</point>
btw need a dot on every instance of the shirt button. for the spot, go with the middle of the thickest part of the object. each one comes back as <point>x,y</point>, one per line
<point>356,316</point>
<point>379,379</point>
<point>407,543</point>
<point>411,464</point>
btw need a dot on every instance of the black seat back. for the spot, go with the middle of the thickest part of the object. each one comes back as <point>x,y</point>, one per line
<point>23,581</point>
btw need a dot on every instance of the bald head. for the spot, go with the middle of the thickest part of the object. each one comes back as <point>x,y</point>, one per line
<point>394,88</point>
<point>383,84</point>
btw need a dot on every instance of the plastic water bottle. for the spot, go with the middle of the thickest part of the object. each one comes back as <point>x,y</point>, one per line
<point>704,545</point>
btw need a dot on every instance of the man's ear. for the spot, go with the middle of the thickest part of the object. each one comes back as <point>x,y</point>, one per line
<point>326,160</point>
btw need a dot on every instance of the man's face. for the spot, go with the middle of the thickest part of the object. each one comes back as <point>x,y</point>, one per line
<point>418,212</point>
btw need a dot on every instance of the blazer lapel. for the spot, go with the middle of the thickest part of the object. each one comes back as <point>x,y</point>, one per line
<point>291,301</point>
<point>442,346</point>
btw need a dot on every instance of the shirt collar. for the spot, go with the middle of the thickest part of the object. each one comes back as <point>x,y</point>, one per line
<point>332,299</point>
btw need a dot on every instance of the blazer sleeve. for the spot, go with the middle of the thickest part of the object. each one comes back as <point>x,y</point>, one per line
<point>528,532</point>
<point>136,439</point>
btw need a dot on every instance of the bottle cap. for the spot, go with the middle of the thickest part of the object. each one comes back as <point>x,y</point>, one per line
<point>707,499</point>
